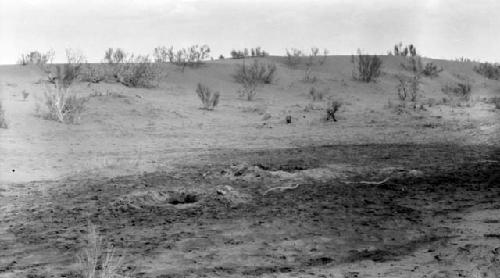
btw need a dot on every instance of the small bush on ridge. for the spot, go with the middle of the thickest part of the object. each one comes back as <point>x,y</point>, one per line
<point>431,70</point>
<point>488,70</point>
<point>138,72</point>
<point>366,67</point>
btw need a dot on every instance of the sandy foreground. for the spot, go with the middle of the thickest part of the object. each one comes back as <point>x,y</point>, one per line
<point>237,192</point>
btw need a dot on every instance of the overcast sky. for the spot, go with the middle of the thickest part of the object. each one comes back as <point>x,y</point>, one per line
<point>438,28</point>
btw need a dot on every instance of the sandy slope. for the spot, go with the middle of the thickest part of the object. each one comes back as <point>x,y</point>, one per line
<point>130,134</point>
<point>183,192</point>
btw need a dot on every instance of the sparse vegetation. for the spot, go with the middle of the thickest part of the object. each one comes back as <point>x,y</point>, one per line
<point>461,90</point>
<point>366,67</point>
<point>315,94</point>
<point>3,122</point>
<point>308,76</point>
<point>95,262</point>
<point>408,88</point>
<point>25,94</point>
<point>254,52</point>
<point>92,73</point>
<point>488,70</point>
<point>413,64</point>
<point>62,106</point>
<point>431,70</point>
<point>293,57</point>
<point>209,99</point>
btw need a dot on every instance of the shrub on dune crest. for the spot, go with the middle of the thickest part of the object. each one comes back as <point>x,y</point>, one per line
<point>366,67</point>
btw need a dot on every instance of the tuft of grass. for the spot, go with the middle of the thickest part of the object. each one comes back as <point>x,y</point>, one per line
<point>209,99</point>
<point>3,122</point>
<point>94,261</point>
<point>366,67</point>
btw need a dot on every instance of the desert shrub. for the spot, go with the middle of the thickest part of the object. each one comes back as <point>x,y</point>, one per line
<point>61,104</point>
<point>293,57</point>
<point>332,107</point>
<point>221,57</point>
<point>138,72</point>
<point>315,94</point>
<point>461,90</point>
<point>366,67</point>
<point>254,52</point>
<point>36,58</point>
<point>3,122</point>
<point>193,56</point>
<point>209,99</point>
<point>408,88</point>
<point>237,54</point>
<point>94,261</point>
<point>409,50</point>
<point>248,89</point>
<point>488,70</point>
<point>25,94</point>
<point>115,56</point>
<point>431,70</point>
<point>258,72</point>
<point>92,73</point>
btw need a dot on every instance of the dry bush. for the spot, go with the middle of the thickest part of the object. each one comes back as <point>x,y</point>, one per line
<point>366,67</point>
<point>333,107</point>
<point>94,261</point>
<point>193,56</point>
<point>3,122</point>
<point>115,56</point>
<point>308,76</point>
<point>25,94</point>
<point>431,70</point>
<point>248,89</point>
<point>138,72</point>
<point>461,90</point>
<point>409,50</point>
<point>293,57</point>
<point>488,70</point>
<point>209,99</point>
<point>260,73</point>
<point>63,106</point>
<point>92,73</point>
<point>408,88</point>
<point>36,58</point>
<point>315,94</point>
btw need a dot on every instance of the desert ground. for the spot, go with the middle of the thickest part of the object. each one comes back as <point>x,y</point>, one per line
<point>178,191</point>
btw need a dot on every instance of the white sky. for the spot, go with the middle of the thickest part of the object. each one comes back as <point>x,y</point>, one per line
<point>438,28</point>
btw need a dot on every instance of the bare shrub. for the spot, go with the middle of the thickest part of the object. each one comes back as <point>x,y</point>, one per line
<point>161,54</point>
<point>461,90</point>
<point>488,70</point>
<point>95,262</point>
<point>138,72</point>
<point>36,58</point>
<point>366,67</point>
<point>293,57</point>
<point>262,73</point>
<point>3,122</point>
<point>62,106</point>
<point>431,70</point>
<point>333,107</point>
<point>254,52</point>
<point>408,88</point>
<point>115,56</point>
<point>409,50</point>
<point>248,89</point>
<point>193,56</point>
<point>92,73</point>
<point>315,94</point>
<point>209,99</point>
